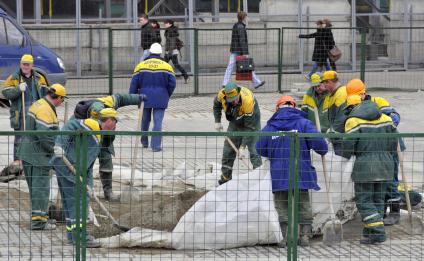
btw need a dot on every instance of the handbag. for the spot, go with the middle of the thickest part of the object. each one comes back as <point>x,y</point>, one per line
<point>244,65</point>
<point>334,54</point>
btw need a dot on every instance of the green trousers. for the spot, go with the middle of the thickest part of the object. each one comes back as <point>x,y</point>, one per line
<point>38,181</point>
<point>105,160</point>
<point>369,199</point>
<point>281,205</point>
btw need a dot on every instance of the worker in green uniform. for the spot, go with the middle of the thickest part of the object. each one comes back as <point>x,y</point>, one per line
<point>66,149</point>
<point>90,109</point>
<point>242,111</point>
<point>374,165</point>
<point>317,97</point>
<point>35,152</point>
<point>34,86</point>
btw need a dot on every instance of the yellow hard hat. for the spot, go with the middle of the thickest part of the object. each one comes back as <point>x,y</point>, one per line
<point>355,86</point>
<point>27,58</point>
<point>329,75</point>
<point>353,100</point>
<point>316,79</point>
<point>108,113</point>
<point>59,89</point>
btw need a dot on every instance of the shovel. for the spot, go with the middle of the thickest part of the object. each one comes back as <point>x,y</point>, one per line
<point>333,229</point>
<point>413,225</point>
<point>93,195</point>
<point>243,159</point>
<point>133,163</point>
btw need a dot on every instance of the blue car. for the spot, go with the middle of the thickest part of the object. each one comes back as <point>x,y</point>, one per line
<point>15,41</point>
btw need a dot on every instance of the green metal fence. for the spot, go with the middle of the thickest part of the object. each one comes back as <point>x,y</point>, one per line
<point>169,182</point>
<point>101,60</point>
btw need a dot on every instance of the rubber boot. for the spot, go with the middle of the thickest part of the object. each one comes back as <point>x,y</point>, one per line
<point>305,233</point>
<point>394,215</point>
<point>283,243</point>
<point>106,178</point>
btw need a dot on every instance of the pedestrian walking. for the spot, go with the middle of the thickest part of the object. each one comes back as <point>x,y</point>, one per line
<point>35,152</point>
<point>323,43</point>
<point>155,79</point>
<point>148,36</point>
<point>173,46</point>
<point>239,47</point>
<point>331,42</point>
<point>242,112</point>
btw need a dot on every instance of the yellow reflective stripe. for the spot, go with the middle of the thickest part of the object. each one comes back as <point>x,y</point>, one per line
<point>380,101</point>
<point>355,123</point>
<point>374,224</point>
<point>154,64</point>
<point>39,218</point>
<point>309,102</point>
<point>72,227</point>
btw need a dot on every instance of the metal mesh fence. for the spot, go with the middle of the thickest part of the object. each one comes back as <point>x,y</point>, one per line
<point>176,211</point>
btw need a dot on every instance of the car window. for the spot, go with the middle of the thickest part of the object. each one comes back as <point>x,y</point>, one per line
<point>14,36</point>
<point>2,32</point>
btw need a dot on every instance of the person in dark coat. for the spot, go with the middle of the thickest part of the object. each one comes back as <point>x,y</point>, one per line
<point>277,149</point>
<point>323,43</point>
<point>331,41</point>
<point>171,47</point>
<point>148,36</point>
<point>239,46</point>
<point>156,27</point>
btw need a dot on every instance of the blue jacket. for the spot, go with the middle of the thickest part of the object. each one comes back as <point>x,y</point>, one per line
<point>156,79</point>
<point>277,149</point>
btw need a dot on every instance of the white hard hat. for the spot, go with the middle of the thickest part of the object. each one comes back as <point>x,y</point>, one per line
<point>155,48</point>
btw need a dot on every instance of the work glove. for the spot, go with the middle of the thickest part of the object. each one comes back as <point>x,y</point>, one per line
<point>22,86</point>
<point>243,152</point>
<point>58,151</point>
<point>218,126</point>
<point>395,118</point>
<point>142,97</point>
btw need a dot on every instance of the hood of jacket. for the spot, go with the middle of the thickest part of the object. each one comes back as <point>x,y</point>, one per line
<point>280,118</point>
<point>367,110</point>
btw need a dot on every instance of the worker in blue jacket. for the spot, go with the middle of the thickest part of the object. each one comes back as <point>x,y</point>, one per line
<point>154,78</point>
<point>277,149</point>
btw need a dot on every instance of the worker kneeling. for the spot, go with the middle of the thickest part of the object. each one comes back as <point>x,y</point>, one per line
<point>65,150</point>
<point>374,165</point>
<point>277,149</point>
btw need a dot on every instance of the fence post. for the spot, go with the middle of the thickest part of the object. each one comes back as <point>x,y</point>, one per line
<point>77,229</point>
<point>363,53</point>
<point>84,167</point>
<point>110,60</point>
<point>196,61</point>
<point>280,57</point>
<point>293,198</point>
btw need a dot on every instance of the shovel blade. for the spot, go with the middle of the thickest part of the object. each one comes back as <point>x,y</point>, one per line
<point>413,225</point>
<point>332,233</point>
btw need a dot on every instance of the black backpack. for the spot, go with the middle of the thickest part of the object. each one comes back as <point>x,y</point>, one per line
<point>81,109</point>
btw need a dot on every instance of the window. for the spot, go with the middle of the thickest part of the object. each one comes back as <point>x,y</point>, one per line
<point>14,36</point>
<point>2,32</point>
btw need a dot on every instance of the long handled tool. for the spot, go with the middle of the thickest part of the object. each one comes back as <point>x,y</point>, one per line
<point>413,225</point>
<point>93,195</point>
<point>333,229</point>
<point>135,153</point>
<point>23,110</point>
<point>243,159</point>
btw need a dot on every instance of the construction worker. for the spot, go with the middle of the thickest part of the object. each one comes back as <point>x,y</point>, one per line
<point>242,111</point>
<point>90,109</point>
<point>25,80</point>
<point>336,104</point>
<point>65,149</point>
<point>154,78</point>
<point>35,152</point>
<point>393,197</point>
<point>317,97</point>
<point>374,166</point>
<point>289,119</point>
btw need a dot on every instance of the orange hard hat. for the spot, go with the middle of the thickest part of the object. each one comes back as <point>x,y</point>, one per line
<point>355,86</point>
<point>286,99</point>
